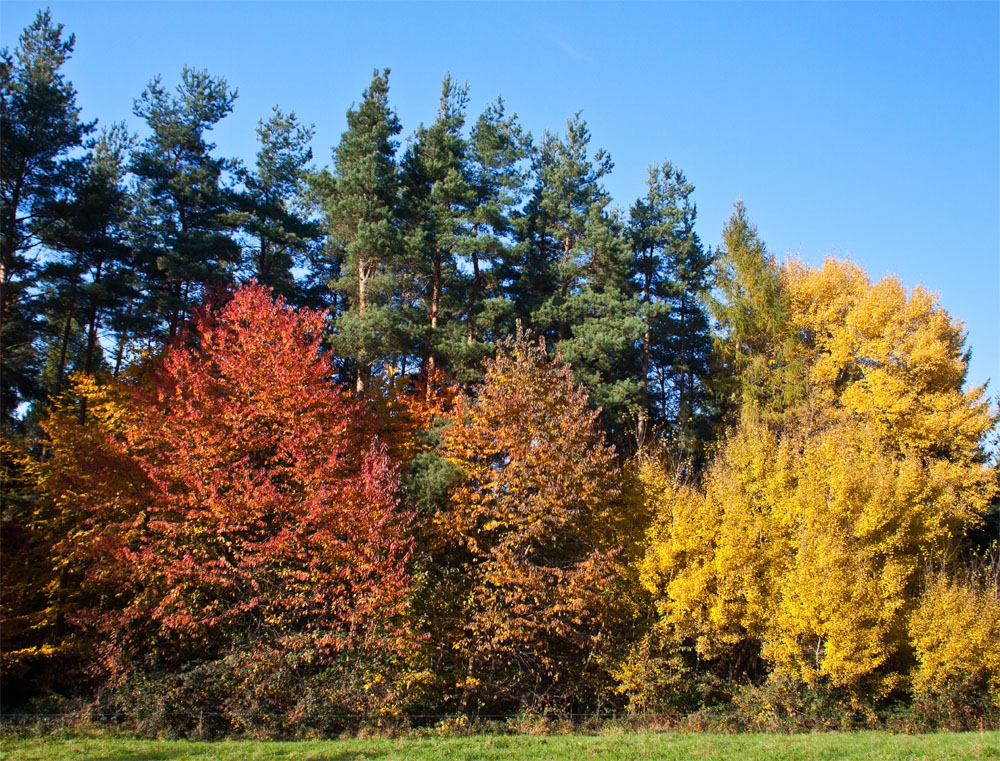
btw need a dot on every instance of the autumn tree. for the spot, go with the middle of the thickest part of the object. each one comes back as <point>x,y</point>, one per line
<point>806,543</point>
<point>528,525</point>
<point>45,503</point>
<point>245,517</point>
<point>955,632</point>
<point>26,613</point>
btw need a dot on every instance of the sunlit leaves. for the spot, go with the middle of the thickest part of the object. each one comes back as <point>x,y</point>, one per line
<point>530,517</point>
<point>247,505</point>
<point>810,531</point>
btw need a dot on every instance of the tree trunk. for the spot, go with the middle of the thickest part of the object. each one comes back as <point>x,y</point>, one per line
<point>643,424</point>
<point>92,322</point>
<point>262,263</point>
<point>564,291</point>
<point>435,316</point>
<point>473,295</point>
<point>122,338</point>
<point>684,400</point>
<point>359,384</point>
<point>8,248</point>
<point>64,349</point>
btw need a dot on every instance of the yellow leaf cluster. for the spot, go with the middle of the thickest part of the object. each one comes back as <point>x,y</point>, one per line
<point>955,631</point>
<point>808,535</point>
<point>896,361</point>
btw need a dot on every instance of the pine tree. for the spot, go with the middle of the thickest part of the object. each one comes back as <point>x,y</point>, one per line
<point>602,308</point>
<point>674,275</point>
<point>567,187</point>
<point>497,150</point>
<point>39,127</point>
<point>436,193</point>
<point>278,220</point>
<point>583,294</point>
<point>192,212</point>
<point>85,280</point>
<point>361,199</point>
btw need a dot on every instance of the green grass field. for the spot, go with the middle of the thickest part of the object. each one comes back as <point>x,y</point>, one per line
<point>873,746</point>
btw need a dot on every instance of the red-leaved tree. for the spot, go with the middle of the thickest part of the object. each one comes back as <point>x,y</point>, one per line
<point>256,523</point>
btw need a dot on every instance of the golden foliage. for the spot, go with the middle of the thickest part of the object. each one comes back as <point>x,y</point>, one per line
<point>43,515</point>
<point>955,631</point>
<point>529,521</point>
<point>808,533</point>
<point>893,360</point>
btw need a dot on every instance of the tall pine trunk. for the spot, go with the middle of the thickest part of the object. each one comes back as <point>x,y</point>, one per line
<point>646,343</point>
<point>473,295</point>
<point>435,317</point>
<point>362,375</point>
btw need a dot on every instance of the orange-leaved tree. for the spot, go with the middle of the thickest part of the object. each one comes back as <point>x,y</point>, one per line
<point>253,525</point>
<point>530,525</point>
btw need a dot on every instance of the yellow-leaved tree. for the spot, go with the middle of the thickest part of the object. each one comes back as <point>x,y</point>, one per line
<point>810,537</point>
<point>955,631</point>
<point>44,587</point>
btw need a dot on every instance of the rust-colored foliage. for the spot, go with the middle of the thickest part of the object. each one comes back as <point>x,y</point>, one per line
<point>407,407</point>
<point>245,507</point>
<point>529,518</point>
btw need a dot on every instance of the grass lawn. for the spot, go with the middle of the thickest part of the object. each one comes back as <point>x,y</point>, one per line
<point>873,746</point>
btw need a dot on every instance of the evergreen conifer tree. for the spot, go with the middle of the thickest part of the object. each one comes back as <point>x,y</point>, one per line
<point>674,275</point>
<point>192,213</point>
<point>567,187</point>
<point>578,274</point>
<point>39,127</point>
<point>498,148</point>
<point>85,280</point>
<point>278,220</point>
<point>361,198</point>
<point>436,192</point>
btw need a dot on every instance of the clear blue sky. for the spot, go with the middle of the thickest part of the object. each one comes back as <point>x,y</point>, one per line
<point>855,129</point>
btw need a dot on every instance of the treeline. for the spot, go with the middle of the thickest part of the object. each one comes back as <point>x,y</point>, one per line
<point>424,256</point>
<point>439,431</point>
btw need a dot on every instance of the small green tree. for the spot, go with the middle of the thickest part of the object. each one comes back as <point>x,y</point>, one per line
<point>754,338</point>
